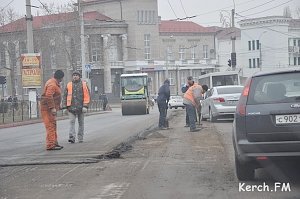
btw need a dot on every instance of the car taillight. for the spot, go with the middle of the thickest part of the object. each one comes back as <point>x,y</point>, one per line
<point>219,99</point>
<point>241,106</point>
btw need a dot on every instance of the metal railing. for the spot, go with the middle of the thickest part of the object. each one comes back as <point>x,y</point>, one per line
<point>19,111</point>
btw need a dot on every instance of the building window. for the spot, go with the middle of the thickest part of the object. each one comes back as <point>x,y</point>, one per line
<point>250,66</point>
<point>193,52</point>
<point>295,42</point>
<point>172,78</point>
<point>258,63</point>
<point>205,51</point>
<point>257,44</point>
<point>253,44</point>
<point>181,52</point>
<point>169,53</point>
<point>299,42</point>
<point>22,47</point>
<point>147,46</point>
<point>52,57</point>
<point>146,17</point>
<point>2,56</point>
<point>249,45</point>
<point>95,41</point>
<point>295,61</point>
<point>298,61</point>
<point>254,64</point>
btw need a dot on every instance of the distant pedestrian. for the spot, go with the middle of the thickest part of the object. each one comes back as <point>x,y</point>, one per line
<point>50,104</point>
<point>104,101</point>
<point>192,104</point>
<point>162,103</point>
<point>76,100</point>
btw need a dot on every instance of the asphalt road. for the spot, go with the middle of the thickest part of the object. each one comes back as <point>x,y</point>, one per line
<point>170,164</point>
<point>26,144</point>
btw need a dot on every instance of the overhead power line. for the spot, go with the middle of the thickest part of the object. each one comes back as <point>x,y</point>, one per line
<point>183,9</point>
<point>172,8</point>
<point>257,6</point>
<point>267,9</point>
<point>7,5</point>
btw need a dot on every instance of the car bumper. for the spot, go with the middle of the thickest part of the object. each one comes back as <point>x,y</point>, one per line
<point>220,110</point>
<point>248,149</point>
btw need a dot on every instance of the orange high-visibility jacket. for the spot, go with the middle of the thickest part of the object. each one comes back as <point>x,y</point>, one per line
<point>51,96</point>
<point>86,94</point>
<point>189,94</point>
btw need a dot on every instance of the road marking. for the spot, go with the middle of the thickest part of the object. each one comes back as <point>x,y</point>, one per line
<point>146,164</point>
<point>67,173</point>
<point>113,190</point>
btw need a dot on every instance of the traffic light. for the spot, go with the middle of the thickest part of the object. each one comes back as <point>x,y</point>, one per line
<point>2,79</point>
<point>229,62</point>
<point>233,59</point>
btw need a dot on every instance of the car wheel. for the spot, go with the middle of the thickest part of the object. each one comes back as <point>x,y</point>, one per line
<point>211,117</point>
<point>244,171</point>
<point>176,107</point>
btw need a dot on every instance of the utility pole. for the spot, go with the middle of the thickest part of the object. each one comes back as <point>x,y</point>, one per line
<point>80,11</point>
<point>233,53</point>
<point>29,20</point>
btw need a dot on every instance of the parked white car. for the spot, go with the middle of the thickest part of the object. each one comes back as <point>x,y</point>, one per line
<point>175,102</point>
<point>220,101</point>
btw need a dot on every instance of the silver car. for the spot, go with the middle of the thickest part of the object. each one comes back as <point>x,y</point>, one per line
<point>220,101</point>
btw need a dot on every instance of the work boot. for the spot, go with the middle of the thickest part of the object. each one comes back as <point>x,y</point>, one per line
<point>195,130</point>
<point>71,139</point>
<point>55,148</point>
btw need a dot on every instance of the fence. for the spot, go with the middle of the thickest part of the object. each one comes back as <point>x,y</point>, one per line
<point>23,110</point>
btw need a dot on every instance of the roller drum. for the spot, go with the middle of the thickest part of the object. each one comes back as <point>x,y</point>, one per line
<point>134,107</point>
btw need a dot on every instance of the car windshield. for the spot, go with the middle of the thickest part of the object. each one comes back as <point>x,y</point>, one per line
<point>277,88</point>
<point>230,90</point>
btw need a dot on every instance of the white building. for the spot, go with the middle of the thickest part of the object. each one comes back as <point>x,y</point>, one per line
<point>269,43</point>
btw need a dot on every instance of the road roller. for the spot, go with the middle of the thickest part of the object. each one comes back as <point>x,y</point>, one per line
<point>135,94</point>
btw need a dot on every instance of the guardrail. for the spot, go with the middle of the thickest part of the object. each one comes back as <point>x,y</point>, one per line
<point>19,111</point>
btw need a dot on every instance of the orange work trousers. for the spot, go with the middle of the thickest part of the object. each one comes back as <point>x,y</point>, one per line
<point>50,125</point>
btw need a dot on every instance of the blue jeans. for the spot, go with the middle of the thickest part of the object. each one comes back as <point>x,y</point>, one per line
<point>191,112</point>
<point>162,107</point>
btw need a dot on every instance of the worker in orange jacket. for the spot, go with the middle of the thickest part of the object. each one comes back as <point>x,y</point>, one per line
<point>76,101</point>
<point>50,104</point>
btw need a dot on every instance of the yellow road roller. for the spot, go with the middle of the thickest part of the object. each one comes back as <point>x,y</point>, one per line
<point>135,94</point>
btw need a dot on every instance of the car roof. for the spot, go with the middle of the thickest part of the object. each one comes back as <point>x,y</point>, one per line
<point>274,72</point>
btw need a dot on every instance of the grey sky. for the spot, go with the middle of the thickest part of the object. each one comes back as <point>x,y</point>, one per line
<point>207,11</point>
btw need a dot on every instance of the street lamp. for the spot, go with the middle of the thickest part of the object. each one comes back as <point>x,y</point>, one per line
<point>260,54</point>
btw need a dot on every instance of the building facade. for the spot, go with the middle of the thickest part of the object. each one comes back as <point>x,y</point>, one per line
<point>269,43</point>
<point>120,37</point>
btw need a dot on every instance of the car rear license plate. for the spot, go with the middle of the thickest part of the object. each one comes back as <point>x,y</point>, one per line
<point>287,119</point>
<point>233,102</point>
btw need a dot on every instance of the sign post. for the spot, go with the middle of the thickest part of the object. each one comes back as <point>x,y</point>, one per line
<point>32,78</point>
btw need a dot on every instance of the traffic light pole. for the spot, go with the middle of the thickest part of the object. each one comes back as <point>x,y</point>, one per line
<point>233,54</point>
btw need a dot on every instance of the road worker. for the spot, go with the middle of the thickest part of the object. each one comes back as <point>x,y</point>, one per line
<point>50,104</point>
<point>191,100</point>
<point>76,101</point>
